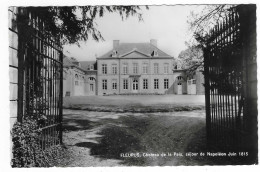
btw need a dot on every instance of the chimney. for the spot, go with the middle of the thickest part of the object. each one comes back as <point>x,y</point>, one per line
<point>115,43</point>
<point>153,42</point>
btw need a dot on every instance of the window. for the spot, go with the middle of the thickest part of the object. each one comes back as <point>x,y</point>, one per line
<point>76,78</point>
<point>156,68</point>
<point>91,67</point>
<point>145,68</point>
<point>166,83</point>
<point>135,68</point>
<point>114,53</point>
<point>135,84</point>
<point>114,84</point>
<point>156,83</point>
<point>194,81</point>
<point>155,53</point>
<point>166,68</point>
<point>125,68</point>
<point>104,68</point>
<point>91,87</point>
<point>114,68</point>
<point>145,84</point>
<point>91,78</point>
<point>104,84</point>
<point>125,84</point>
<point>179,78</point>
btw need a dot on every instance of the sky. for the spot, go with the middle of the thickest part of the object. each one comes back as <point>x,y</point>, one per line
<point>167,24</point>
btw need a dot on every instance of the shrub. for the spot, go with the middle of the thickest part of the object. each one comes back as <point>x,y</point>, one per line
<point>26,144</point>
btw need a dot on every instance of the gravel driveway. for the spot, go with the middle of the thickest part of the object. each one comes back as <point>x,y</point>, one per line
<point>110,139</point>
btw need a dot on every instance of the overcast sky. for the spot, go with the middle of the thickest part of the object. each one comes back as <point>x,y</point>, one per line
<point>167,24</point>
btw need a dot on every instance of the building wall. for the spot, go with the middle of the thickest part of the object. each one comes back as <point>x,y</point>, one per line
<point>13,63</point>
<point>119,77</point>
<point>83,88</point>
<point>200,88</point>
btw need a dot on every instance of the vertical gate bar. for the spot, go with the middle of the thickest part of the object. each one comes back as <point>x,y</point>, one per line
<point>61,96</point>
<point>53,83</point>
<point>222,77</point>
<point>49,86</point>
<point>217,78</point>
<point>207,97</point>
<point>54,97</point>
<point>55,92</point>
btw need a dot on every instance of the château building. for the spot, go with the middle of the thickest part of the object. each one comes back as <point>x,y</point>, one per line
<point>143,68</point>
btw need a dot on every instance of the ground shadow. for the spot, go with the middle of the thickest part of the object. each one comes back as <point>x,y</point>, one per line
<point>77,124</point>
<point>117,141</point>
<point>86,144</point>
<point>199,144</point>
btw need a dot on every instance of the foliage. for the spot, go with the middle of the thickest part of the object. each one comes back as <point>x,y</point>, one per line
<point>191,58</point>
<point>27,151</point>
<point>202,21</point>
<point>26,148</point>
<point>26,135</point>
<point>77,23</point>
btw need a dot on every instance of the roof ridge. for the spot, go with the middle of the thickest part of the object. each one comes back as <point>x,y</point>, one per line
<point>145,48</point>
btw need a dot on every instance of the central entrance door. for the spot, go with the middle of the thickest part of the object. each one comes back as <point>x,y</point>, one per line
<point>179,88</point>
<point>135,85</point>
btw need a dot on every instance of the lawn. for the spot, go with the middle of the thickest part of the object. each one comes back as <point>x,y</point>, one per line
<point>144,100</point>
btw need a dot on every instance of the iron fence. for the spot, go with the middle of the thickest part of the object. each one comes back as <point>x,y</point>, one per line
<point>40,67</point>
<point>226,81</point>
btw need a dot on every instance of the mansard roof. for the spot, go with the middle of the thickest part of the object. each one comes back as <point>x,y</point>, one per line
<point>145,50</point>
<point>71,62</point>
<point>86,64</point>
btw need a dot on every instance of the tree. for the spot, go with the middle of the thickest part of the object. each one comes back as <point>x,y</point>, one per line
<point>191,59</point>
<point>77,23</point>
<point>202,21</point>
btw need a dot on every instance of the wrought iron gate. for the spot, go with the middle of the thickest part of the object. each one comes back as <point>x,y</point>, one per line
<point>230,72</point>
<point>40,66</point>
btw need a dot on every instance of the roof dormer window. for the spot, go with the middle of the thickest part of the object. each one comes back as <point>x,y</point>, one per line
<point>155,53</point>
<point>114,53</point>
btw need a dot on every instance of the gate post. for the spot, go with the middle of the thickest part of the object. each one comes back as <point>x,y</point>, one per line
<point>247,18</point>
<point>21,51</point>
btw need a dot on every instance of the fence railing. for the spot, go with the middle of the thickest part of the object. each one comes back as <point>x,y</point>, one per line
<point>40,68</point>
<point>226,81</point>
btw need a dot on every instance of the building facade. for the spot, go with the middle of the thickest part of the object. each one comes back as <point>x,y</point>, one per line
<point>130,68</point>
<point>138,68</point>
<point>78,79</point>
